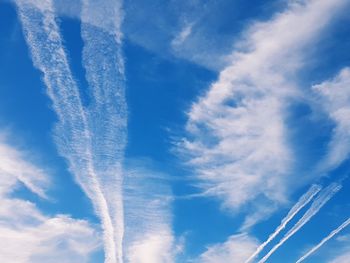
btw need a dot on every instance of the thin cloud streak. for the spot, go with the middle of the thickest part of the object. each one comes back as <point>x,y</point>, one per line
<point>323,197</point>
<point>331,235</point>
<point>72,133</point>
<point>302,202</point>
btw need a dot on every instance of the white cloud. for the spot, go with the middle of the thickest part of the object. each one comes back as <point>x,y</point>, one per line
<point>236,250</point>
<point>154,247</point>
<point>14,168</point>
<point>148,206</point>
<point>28,235</point>
<point>334,97</point>
<point>237,134</point>
<point>56,239</point>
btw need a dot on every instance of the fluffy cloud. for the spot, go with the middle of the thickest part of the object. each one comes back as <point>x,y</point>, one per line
<point>156,247</point>
<point>236,249</point>
<point>26,233</point>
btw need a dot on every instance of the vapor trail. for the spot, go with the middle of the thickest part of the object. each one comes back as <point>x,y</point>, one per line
<point>331,235</point>
<point>104,65</point>
<point>72,134</point>
<point>317,204</point>
<point>302,202</point>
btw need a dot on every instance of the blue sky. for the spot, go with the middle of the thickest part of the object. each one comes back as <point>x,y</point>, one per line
<point>174,131</point>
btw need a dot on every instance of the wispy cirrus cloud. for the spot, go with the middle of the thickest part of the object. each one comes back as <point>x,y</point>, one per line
<point>237,134</point>
<point>334,99</point>
<point>26,233</point>
<point>14,168</point>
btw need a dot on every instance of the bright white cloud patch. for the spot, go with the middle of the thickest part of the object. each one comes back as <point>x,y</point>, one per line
<point>237,134</point>
<point>26,234</point>
<point>236,249</point>
<point>156,247</point>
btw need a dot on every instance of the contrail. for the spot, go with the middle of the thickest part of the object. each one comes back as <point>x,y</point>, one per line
<point>104,65</point>
<point>302,202</point>
<point>72,134</point>
<point>317,204</point>
<point>331,235</point>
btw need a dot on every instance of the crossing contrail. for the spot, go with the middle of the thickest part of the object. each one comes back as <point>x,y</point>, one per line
<point>331,235</point>
<point>104,66</point>
<point>77,127</point>
<point>302,202</point>
<point>323,197</point>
